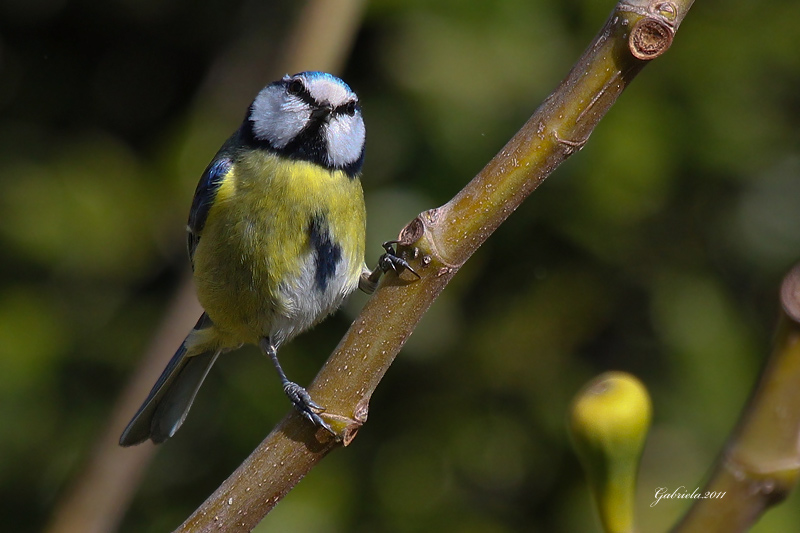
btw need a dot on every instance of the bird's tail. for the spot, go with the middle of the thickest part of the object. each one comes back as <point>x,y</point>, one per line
<point>165,408</point>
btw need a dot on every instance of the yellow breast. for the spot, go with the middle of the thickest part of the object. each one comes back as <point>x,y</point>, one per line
<point>282,246</point>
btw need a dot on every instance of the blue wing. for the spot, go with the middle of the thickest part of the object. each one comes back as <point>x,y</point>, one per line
<point>204,197</point>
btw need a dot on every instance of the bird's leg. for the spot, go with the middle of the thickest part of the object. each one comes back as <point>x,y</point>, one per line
<point>299,396</point>
<point>386,262</point>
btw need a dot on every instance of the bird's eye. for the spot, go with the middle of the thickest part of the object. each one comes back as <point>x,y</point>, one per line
<point>350,108</point>
<point>295,87</point>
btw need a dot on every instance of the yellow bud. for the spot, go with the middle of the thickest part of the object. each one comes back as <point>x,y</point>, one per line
<point>609,421</point>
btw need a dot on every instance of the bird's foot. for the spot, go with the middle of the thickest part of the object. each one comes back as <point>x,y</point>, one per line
<point>391,260</point>
<point>302,401</point>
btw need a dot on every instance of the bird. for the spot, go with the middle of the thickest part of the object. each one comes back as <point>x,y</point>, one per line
<point>276,239</point>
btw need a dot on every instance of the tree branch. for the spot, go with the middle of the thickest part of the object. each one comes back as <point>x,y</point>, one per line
<point>437,243</point>
<point>761,461</point>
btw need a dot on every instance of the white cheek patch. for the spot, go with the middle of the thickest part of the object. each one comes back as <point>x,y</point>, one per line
<point>277,118</point>
<point>345,138</point>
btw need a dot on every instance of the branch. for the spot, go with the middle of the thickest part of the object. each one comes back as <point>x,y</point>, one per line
<point>761,461</point>
<point>437,243</point>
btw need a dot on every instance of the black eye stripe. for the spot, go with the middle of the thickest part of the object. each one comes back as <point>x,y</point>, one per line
<point>302,94</point>
<point>297,88</point>
<point>349,108</point>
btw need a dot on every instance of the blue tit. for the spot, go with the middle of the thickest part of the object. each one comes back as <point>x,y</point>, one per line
<point>275,236</point>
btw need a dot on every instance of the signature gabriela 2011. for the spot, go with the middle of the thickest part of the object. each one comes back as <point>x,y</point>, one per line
<point>662,493</point>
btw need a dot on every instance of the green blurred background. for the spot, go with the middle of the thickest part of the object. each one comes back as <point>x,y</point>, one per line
<point>657,249</point>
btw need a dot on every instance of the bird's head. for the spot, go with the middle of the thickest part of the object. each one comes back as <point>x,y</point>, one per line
<point>311,116</point>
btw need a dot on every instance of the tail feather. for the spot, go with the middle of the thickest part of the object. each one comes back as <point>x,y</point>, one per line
<point>165,408</point>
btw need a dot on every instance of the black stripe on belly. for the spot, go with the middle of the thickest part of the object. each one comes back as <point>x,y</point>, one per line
<point>327,254</point>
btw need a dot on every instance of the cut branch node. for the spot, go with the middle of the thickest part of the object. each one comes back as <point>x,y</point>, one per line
<point>650,38</point>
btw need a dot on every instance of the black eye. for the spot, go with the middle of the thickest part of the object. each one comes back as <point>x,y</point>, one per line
<point>295,87</point>
<point>350,108</point>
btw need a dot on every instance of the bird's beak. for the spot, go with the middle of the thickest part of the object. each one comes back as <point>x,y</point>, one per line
<point>321,113</point>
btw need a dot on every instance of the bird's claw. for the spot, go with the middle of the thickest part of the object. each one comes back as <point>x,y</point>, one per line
<point>392,261</point>
<point>302,401</point>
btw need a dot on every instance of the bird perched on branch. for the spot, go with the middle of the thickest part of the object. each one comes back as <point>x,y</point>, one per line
<point>276,238</point>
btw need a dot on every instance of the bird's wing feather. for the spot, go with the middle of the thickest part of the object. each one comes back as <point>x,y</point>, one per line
<point>204,197</point>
